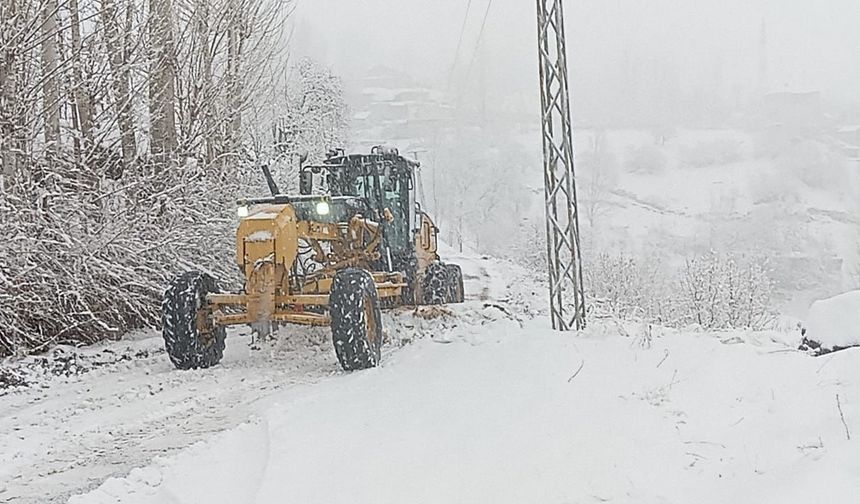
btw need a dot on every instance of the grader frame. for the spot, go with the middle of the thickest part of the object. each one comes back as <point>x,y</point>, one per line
<point>271,292</point>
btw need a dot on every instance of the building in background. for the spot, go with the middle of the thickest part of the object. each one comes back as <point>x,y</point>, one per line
<point>389,107</point>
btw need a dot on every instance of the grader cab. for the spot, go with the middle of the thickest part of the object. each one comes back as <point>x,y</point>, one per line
<point>354,242</point>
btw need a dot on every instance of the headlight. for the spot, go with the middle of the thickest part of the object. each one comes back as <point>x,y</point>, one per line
<point>323,208</point>
<point>242,212</point>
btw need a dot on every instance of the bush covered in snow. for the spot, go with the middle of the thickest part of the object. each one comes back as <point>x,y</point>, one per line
<point>726,291</point>
<point>624,286</point>
<point>87,258</point>
<point>712,291</point>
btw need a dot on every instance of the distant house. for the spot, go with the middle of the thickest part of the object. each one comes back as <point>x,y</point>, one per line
<point>390,106</point>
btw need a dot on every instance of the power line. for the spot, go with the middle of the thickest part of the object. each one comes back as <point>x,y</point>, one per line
<point>478,42</point>
<point>459,44</point>
<point>437,132</point>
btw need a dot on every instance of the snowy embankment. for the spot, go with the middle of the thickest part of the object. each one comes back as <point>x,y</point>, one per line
<point>479,403</point>
<point>834,323</point>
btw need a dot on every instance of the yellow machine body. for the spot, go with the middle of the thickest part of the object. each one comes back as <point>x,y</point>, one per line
<point>267,250</point>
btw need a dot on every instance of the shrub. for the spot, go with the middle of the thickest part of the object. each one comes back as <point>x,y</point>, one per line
<point>713,291</point>
<point>722,291</point>
<point>83,262</point>
<point>624,286</point>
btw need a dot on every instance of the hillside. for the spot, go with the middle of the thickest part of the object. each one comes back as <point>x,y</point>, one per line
<point>679,193</point>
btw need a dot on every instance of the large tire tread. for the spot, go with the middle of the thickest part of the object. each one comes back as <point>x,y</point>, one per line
<point>186,348</point>
<point>456,291</point>
<point>435,284</point>
<point>357,340</point>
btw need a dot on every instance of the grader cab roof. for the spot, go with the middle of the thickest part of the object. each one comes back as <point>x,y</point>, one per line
<point>350,174</point>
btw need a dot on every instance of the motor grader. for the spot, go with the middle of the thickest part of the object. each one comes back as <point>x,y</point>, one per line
<point>355,241</point>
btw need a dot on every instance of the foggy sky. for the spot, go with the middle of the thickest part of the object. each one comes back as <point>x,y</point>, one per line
<point>812,45</point>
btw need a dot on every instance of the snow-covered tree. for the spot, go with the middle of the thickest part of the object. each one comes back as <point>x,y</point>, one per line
<point>122,154</point>
<point>314,115</point>
<point>480,176</point>
<point>597,174</point>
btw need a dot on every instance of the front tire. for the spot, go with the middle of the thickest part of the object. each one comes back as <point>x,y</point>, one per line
<point>190,338</point>
<point>356,320</point>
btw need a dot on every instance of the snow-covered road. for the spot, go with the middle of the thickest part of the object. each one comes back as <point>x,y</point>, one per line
<point>476,405</point>
<point>64,436</point>
<point>71,435</point>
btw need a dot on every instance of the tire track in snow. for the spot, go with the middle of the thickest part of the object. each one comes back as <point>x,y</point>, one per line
<point>72,435</point>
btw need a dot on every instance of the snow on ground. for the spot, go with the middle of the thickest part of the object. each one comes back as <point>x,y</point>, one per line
<point>525,415</point>
<point>474,403</point>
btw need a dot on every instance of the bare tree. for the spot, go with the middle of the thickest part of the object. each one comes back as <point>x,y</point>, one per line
<point>230,61</point>
<point>481,198</point>
<point>16,19</point>
<point>203,91</point>
<point>598,171</point>
<point>116,44</point>
<point>314,113</point>
<point>50,75</point>
<point>162,91</point>
<point>80,100</point>
<point>10,24</point>
<point>235,42</point>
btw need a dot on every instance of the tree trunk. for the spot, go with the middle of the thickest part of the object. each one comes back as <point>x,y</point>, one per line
<point>9,25</point>
<point>162,86</point>
<point>235,38</point>
<point>80,97</point>
<point>120,82</point>
<point>460,232</point>
<point>203,100</point>
<point>50,76</point>
<point>12,143</point>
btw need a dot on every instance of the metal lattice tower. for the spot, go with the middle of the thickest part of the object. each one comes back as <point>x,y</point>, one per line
<point>566,293</point>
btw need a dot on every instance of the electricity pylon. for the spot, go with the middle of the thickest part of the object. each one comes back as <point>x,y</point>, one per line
<point>566,293</point>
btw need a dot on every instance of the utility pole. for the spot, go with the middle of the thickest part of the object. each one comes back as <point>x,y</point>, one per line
<point>566,293</point>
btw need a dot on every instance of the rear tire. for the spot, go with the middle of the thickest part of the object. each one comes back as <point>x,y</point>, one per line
<point>456,292</point>
<point>191,341</point>
<point>434,286</point>
<point>356,320</point>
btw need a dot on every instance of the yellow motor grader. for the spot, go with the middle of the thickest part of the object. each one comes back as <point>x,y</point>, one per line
<point>335,257</point>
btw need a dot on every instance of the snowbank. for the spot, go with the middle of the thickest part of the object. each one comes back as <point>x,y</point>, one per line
<point>835,322</point>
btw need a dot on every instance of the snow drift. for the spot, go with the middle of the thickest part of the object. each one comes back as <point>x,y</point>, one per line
<point>834,323</point>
